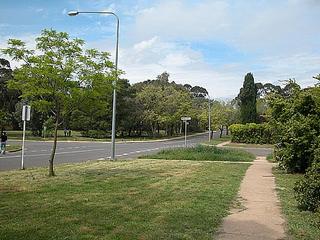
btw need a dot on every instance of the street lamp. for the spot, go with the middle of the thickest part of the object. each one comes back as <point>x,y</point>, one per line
<point>209,118</point>
<point>113,133</point>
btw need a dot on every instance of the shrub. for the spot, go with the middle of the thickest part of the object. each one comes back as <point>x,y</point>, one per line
<point>251,133</point>
<point>295,150</point>
<point>307,190</point>
<point>95,134</point>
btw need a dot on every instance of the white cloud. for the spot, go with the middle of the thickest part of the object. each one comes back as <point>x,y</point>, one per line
<point>171,19</point>
<point>261,26</point>
<point>280,38</point>
<point>110,8</point>
<point>145,44</point>
<point>176,60</point>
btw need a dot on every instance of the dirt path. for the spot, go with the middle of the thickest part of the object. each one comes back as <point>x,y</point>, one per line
<point>259,216</point>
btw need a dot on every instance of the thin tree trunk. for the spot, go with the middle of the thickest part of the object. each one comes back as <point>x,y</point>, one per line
<point>221,131</point>
<point>51,171</point>
<point>227,130</point>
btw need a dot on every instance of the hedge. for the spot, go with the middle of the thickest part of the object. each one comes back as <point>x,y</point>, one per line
<point>100,134</point>
<point>251,133</point>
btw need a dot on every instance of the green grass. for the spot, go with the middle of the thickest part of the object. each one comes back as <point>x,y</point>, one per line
<point>301,225</point>
<point>247,145</point>
<point>200,153</point>
<point>270,158</point>
<point>217,141</point>
<point>141,199</point>
<point>13,148</point>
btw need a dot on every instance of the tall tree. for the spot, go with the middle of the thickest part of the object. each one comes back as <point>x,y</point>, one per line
<point>8,97</point>
<point>248,100</point>
<point>54,75</point>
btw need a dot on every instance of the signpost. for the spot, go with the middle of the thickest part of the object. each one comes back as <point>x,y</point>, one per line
<point>185,120</point>
<point>26,110</point>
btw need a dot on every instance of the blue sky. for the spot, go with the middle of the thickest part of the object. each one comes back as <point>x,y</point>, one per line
<point>211,43</point>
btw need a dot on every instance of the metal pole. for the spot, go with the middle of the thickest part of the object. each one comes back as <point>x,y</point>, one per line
<point>185,133</point>
<point>209,119</point>
<point>113,134</point>
<point>23,139</point>
<point>113,128</point>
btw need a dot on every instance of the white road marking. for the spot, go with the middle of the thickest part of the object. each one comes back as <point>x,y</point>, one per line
<point>58,153</point>
<point>91,150</point>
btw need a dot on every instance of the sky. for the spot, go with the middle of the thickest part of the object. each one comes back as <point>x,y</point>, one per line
<point>210,43</point>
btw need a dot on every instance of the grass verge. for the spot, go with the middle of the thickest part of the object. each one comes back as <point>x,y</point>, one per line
<point>301,225</point>
<point>13,148</point>
<point>270,158</point>
<point>217,141</point>
<point>247,145</point>
<point>140,199</point>
<point>201,153</point>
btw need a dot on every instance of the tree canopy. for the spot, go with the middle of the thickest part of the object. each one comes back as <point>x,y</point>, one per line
<point>58,74</point>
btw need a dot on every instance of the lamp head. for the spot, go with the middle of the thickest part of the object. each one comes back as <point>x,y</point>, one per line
<point>73,13</point>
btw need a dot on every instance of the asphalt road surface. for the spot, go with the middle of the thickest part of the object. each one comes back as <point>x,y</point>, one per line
<point>37,153</point>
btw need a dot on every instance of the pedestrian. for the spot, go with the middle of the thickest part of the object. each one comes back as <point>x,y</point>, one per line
<point>4,139</point>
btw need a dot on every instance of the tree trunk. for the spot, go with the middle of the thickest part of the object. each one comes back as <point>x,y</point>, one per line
<point>51,171</point>
<point>227,130</point>
<point>221,131</point>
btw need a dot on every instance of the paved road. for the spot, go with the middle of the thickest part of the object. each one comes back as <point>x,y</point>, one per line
<point>38,153</point>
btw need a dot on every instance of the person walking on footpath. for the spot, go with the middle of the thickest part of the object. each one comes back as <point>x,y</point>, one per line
<point>4,139</point>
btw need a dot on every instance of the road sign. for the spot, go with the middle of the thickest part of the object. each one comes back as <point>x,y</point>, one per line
<point>185,118</point>
<point>26,109</point>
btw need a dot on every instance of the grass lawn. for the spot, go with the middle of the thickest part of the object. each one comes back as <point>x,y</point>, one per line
<point>301,225</point>
<point>141,199</point>
<point>246,145</point>
<point>13,148</point>
<point>216,141</point>
<point>200,153</point>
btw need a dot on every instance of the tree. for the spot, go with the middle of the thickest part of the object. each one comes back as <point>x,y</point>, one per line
<point>55,76</point>
<point>295,121</point>
<point>248,98</point>
<point>199,92</point>
<point>8,97</point>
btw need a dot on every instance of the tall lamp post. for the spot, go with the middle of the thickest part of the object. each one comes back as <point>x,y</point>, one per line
<point>113,133</point>
<point>209,118</point>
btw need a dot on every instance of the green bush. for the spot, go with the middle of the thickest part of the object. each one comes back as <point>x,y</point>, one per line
<point>295,150</point>
<point>95,134</point>
<point>307,190</point>
<point>251,133</point>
